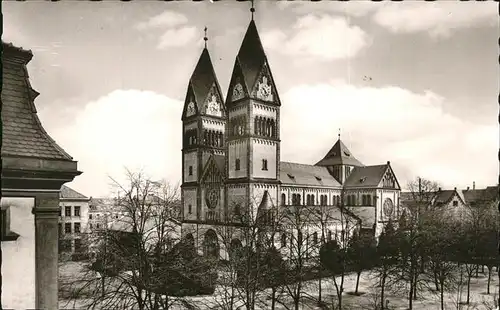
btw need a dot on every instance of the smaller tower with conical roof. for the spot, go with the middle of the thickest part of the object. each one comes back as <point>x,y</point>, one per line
<point>339,161</point>
<point>203,127</point>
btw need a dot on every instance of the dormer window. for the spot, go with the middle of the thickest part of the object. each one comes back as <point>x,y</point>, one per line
<point>455,203</point>
<point>363,179</point>
<point>318,178</point>
<point>264,164</point>
<point>237,164</point>
<point>346,153</point>
<point>291,176</point>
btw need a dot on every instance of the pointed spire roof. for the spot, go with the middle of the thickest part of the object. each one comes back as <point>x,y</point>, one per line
<point>251,56</point>
<point>203,78</point>
<point>339,154</point>
<point>266,203</point>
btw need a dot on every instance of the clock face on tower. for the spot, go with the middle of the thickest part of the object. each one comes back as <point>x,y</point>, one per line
<point>190,109</point>
<point>212,198</point>
<point>264,90</point>
<point>213,106</point>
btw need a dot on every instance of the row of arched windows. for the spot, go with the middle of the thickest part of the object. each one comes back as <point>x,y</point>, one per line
<point>190,137</point>
<point>213,138</point>
<point>323,200</point>
<point>265,127</point>
<point>366,200</point>
<point>238,126</point>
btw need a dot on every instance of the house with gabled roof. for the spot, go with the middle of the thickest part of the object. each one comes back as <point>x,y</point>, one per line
<point>34,168</point>
<point>231,160</point>
<point>73,221</point>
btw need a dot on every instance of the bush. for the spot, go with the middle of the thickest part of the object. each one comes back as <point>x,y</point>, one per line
<point>77,257</point>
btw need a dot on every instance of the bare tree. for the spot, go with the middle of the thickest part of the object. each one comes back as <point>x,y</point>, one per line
<point>146,265</point>
<point>417,204</point>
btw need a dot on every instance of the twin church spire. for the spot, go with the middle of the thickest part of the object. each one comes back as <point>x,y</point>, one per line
<point>251,78</point>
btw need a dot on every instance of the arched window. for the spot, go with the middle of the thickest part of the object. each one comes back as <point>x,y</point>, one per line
<point>299,200</point>
<point>235,248</point>
<point>283,240</point>
<point>268,128</point>
<point>237,164</point>
<point>205,138</point>
<point>211,244</point>
<point>369,200</point>
<point>348,200</point>
<point>273,129</point>
<point>256,125</point>
<point>283,199</point>
<point>190,170</point>
<point>313,200</point>
<point>190,209</point>
<point>363,198</point>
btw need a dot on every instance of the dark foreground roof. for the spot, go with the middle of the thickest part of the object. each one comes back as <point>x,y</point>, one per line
<point>22,132</point>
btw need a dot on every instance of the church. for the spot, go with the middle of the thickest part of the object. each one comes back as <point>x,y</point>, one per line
<point>231,162</point>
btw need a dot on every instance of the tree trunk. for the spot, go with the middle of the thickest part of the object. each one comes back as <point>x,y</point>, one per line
<point>319,286</point>
<point>442,293</point>
<point>273,298</point>
<point>489,279</point>
<point>468,288</point>
<point>382,292</point>
<point>410,295</point>
<point>482,269</point>
<point>477,271</point>
<point>436,282</point>
<point>357,282</point>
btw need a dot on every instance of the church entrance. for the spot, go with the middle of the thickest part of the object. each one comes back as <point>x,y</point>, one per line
<point>211,244</point>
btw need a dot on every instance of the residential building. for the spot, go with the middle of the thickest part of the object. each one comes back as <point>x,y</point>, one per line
<point>73,221</point>
<point>231,156</point>
<point>34,168</point>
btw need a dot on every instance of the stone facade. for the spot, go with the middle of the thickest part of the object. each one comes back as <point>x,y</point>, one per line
<point>240,173</point>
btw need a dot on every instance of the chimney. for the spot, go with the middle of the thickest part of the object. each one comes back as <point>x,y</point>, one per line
<point>474,185</point>
<point>455,189</point>
<point>439,189</point>
<point>467,188</point>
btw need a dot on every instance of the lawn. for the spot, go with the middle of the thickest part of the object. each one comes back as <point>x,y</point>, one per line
<point>68,271</point>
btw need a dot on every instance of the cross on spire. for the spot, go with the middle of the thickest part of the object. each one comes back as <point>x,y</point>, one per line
<point>205,37</point>
<point>339,133</point>
<point>252,9</point>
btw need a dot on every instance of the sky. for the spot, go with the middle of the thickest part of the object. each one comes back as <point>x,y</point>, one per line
<point>413,83</point>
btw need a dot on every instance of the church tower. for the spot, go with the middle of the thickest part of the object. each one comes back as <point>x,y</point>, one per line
<point>339,161</point>
<point>253,135</point>
<point>203,127</point>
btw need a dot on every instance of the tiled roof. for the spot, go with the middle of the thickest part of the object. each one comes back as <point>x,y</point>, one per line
<point>443,196</point>
<point>251,56</point>
<point>300,174</point>
<point>266,202</point>
<point>220,162</point>
<point>68,193</point>
<point>203,79</point>
<point>22,132</point>
<point>339,154</point>
<point>312,214</point>
<point>481,195</point>
<point>365,214</point>
<point>368,176</point>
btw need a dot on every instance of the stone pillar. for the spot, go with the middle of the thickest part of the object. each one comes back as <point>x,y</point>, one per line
<point>46,213</point>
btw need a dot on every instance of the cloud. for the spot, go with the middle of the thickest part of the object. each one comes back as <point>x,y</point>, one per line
<point>177,37</point>
<point>439,19</point>
<point>320,36</point>
<point>379,124</point>
<point>173,25</point>
<point>136,129</point>
<point>356,9</point>
<point>165,19</point>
